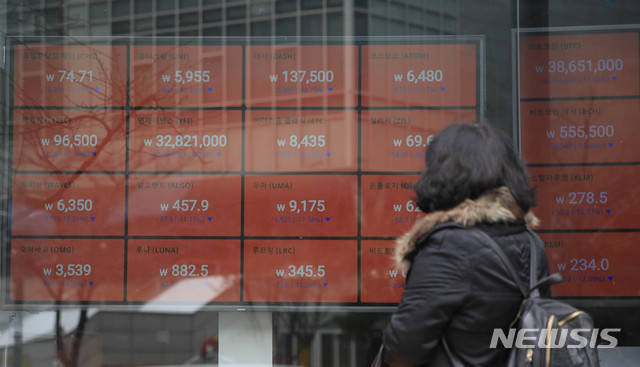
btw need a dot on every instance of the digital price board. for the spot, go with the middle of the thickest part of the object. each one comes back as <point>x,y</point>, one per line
<point>232,174</point>
<point>578,123</point>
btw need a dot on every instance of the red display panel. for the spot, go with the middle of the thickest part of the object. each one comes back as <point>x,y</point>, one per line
<point>419,75</point>
<point>395,140</point>
<point>305,205</point>
<point>186,76</point>
<point>382,280</point>
<point>184,205</point>
<point>596,131</point>
<point>579,65</point>
<point>185,140</point>
<point>247,172</point>
<point>587,197</point>
<point>300,271</point>
<point>388,205</point>
<point>69,140</point>
<point>67,205</point>
<point>183,270</point>
<point>593,264</point>
<point>67,270</point>
<point>302,76</point>
<point>70,75</point>
<point>285,140</point>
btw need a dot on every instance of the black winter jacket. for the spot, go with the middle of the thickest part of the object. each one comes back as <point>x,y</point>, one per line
<point>458,287</point>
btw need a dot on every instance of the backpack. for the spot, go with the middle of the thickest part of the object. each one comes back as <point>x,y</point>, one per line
<point>562,332</point>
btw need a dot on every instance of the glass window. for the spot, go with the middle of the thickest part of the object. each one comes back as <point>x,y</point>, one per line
<point>260,9</point>
<point>77,31</point>
<point>189,33</point>
<point>76,13</point>
<point>396,9</point>
<point>415,30</point>
<point>166,21</point>
<point>143,24</point>
<point>311,25</point>
<point>286,27</point>
<point>311,4</point>
<point>185,4</point>
<point>236,12</point>
<point>236,30</point>
<point>210,16</point>
<point>414,15</point>
<point>100,30</point>
<point>120,27</point>
<point>165,5</point>
<point>433,20</point>
<point>142,6</point>
<point>99,11</point>
<point>360,24</point>
<point>378,26</point>
<point>212,31</point>
<point>379,6</point>
<point>188,19</point>
<point>285,6</point>
<point>335,26</point>
<point>396,28</point>
<point>120,8</point>
<point>261,28</point>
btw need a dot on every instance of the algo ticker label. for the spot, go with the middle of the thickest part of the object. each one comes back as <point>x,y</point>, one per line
<point>184,205</point>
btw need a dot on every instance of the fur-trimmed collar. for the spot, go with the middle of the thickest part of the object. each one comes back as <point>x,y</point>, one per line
<point>496,205</point>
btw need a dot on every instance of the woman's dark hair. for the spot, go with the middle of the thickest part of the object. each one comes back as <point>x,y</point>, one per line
<point>466,159</point>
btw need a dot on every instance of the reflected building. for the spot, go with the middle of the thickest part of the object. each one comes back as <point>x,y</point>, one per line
<point>217,18</point>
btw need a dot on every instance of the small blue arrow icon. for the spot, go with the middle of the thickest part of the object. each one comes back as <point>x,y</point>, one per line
<point>210,89</point>
<point>218,154</point>
<point>97,89</point>
<point>610,145</point>
<point>608,211</point>
<point>93,218</point>
<point>610,278</point>
<point>328,219</point>
<point>326,284</point>
<point>209,218</point>
<point>94,153</point>
<point>614,78</point>
<point>443,88</point>
<point>91,283</point>
<point>330,89</point>
<point>328,154</point>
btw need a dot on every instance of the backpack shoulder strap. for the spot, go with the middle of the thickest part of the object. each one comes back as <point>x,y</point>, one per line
<point>489,241</point>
